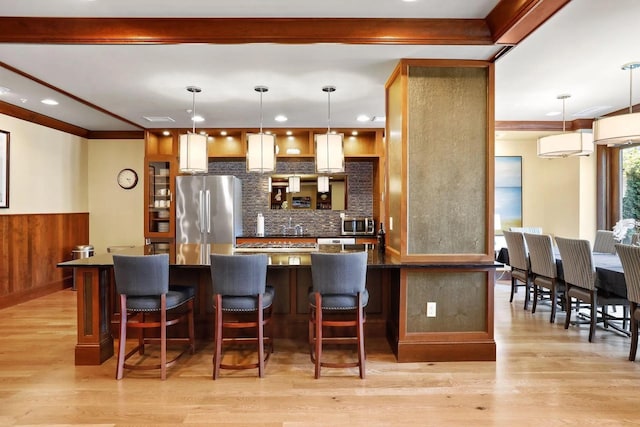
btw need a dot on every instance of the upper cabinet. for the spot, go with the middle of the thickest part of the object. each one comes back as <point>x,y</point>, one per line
<point>292,143</point>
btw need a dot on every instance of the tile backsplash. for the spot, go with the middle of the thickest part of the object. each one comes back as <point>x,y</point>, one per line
<point>255,198</point>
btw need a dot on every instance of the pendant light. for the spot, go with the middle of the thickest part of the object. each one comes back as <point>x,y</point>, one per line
<point>294,184</point>
<point>261,147</point>
<point>193,147</point>
<point>323,184</point>
<point>329,146</point>
<point>565,144</point>
<point>622,129</point>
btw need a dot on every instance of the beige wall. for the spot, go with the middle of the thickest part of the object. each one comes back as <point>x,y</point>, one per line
<point>55,172</point>
<point>558,194</point>
<point>48,169</point>
<point>116,215</point>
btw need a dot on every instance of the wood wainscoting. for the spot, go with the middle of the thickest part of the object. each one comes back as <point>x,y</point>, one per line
<point>31,246</point>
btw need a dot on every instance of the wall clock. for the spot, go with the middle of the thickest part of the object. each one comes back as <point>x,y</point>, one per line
<point>127,178</point>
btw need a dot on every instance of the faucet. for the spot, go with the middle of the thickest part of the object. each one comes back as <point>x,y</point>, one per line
<point>296,230</point>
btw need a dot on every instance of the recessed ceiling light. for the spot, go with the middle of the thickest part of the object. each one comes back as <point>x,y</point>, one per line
<point>223,132</point>
<point>378,119</point>
<point>49,101</point>
<point>281,118</point>
<point>4,90</point>
<point>354,133</point>
<point>289,133</point>
<point>553,113</point>
<point>166,133</point>
<point>363,118</point>
<point>197,118</point>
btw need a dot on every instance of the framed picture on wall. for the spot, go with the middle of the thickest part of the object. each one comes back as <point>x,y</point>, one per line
<point>508,192</point>
<point>4,169</point>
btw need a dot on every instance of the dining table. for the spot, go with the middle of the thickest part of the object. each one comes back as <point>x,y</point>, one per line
<point>610,275</point>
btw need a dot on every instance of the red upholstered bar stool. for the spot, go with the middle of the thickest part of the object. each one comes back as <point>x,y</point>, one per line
<point>147,302</point>
<point>337,300</point>
<point>242,302</point>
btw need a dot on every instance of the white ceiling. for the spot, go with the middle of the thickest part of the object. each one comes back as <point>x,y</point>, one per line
<point>578,51</point>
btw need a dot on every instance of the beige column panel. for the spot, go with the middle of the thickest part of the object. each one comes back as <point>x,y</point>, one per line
<point>440,124</point>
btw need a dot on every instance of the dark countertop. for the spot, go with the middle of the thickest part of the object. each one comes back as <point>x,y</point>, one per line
<point>197,255</point>
<point>304,236</point>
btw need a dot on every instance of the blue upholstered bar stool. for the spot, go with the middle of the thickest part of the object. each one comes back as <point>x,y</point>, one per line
<point>241,301</point>
<point>338,300</point>
<point>143,285</point>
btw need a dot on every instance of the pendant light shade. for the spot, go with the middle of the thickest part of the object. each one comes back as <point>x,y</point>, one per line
<point>565,144</point>
<point>323,184</point>
<point>294,184</point>
<point>622,129</point>
<point>261,147</point>
<point>193,147</point>
<point>330,146</point>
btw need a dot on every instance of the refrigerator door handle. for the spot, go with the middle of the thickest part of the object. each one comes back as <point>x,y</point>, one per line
<point>208,211</point>
<point>201,211</point>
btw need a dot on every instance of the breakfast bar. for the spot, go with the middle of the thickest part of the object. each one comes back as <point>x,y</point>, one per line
<point>461,330</point>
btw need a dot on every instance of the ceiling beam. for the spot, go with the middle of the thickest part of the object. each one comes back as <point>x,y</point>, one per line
<point>40,119</point>
<point>575,125</point>
<point>388,31</point>
<point>511,21</point>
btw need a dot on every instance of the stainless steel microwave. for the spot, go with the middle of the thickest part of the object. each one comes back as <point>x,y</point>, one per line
<point>352,226</point>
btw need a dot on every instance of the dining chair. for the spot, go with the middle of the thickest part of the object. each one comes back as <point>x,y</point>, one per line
<point>519,263</point>
<point>241,301</point>
<point>604,242</point>
<point>142,281</point>
<point>337,300</point>
<point>580,282</point>
<point>545,273</point>
<point>630,258</point>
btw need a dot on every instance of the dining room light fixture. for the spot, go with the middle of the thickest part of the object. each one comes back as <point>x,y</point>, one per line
<point>622,129</point>
<point>193,146</point>
<point>330,146</point>
<point>323,184</point>
<point>565,144</point>
<point>261,147</point>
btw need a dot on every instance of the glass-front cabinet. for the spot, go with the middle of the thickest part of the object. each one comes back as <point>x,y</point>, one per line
<point>160,161</point>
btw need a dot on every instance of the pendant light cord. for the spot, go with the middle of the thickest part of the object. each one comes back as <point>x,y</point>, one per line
<point>193,109</point>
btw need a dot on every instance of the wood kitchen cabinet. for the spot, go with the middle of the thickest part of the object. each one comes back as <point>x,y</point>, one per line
<point>161,165</point>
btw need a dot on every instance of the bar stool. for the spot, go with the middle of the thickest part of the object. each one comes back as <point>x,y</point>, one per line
<point>143,284</point>
<point>241,300</point>
<point>337,300</point>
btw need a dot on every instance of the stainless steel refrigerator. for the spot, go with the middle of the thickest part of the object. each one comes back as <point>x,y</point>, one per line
<point>208,209</point>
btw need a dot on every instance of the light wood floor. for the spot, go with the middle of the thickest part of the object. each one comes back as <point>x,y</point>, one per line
<point>544,376</point>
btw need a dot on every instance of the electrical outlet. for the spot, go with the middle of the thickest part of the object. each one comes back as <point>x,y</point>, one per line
<point>431,309</point>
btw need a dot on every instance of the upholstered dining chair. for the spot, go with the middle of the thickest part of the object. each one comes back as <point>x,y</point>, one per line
<point>337,300</point>
<point>519,262</point>
<point>143,285</point>
<point>242,301</point>
<point>545,273</point>
<point>604,242</point>
<point>630,258</point>
<point>580,282</point>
